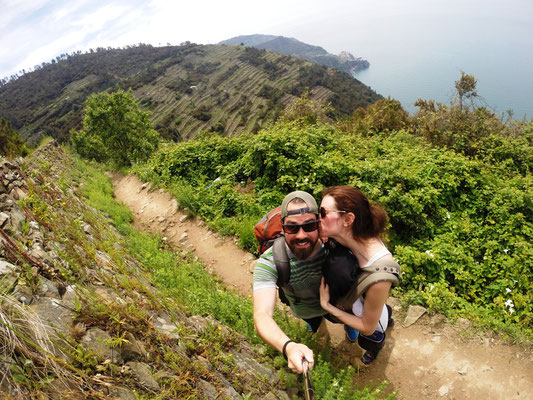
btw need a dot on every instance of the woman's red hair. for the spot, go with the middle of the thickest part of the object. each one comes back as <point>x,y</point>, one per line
<point>370,219</point>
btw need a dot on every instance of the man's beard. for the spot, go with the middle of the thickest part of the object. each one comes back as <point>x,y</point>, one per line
<point>302,253</point>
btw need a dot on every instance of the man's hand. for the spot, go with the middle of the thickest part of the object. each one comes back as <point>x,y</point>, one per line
<point>296,353</point>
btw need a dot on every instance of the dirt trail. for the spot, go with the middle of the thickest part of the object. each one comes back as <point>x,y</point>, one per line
<point>426,360</point>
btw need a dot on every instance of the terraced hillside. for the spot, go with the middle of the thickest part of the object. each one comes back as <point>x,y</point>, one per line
<point>188,88</point>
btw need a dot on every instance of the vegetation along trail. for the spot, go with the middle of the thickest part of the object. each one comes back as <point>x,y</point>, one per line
<point>428,359</point>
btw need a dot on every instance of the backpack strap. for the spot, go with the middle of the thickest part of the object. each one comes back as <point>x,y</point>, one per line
<point>283,266</point>
<point>380,271</point>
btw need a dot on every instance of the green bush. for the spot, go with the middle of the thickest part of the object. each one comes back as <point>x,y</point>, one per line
<point>457,224</point>
<point>114,129</point>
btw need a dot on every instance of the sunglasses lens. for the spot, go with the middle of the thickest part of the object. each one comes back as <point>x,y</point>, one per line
<point>323,212</point>
<point>307,227</point>
<point>310,226</point>
<point>292,229</point>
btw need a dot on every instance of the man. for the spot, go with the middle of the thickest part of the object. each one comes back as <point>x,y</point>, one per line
<point>299,216</point>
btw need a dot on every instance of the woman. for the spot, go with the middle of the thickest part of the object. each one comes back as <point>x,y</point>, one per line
<point>347,217</point>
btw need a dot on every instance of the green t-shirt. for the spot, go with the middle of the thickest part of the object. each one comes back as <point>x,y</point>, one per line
<point>305,280</point>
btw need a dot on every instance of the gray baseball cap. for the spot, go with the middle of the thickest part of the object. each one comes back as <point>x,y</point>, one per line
<point>306,197</point>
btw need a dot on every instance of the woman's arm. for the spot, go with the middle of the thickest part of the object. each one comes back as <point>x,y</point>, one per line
<point>375,298</point>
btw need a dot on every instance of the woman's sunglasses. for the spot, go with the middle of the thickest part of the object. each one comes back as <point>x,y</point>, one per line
<point>295,228</point>
<point>325,211</point>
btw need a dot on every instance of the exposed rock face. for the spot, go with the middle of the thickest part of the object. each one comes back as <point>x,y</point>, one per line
<point>57,268</point>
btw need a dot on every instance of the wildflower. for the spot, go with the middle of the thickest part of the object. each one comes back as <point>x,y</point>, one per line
<point>509,303</point>
<point>431,287</point>
<point>430,253</point>
<point>511,310</point>
<point>448,215</point>
<point>306,180</point>
<point>335,383</point>
<point>249,296</point>
<point>219,328</point>
<point>508,290</point>
<point>505,250</point>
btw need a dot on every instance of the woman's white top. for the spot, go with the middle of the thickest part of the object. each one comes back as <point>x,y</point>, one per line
<point>358,306</point>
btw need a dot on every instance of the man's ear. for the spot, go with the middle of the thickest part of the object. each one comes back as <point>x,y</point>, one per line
<point>349,218</point>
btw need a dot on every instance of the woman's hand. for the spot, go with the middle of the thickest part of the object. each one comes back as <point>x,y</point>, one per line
<point>324,295</point>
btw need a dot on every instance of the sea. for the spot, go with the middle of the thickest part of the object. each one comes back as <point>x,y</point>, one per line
<point>418,48</point>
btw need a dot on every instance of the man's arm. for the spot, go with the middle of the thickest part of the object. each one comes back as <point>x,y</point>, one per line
<point>270,332</point>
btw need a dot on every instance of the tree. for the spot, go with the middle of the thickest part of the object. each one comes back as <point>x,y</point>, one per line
<point>115,129</point>
<point>11,145</point>
<point>466,89</point>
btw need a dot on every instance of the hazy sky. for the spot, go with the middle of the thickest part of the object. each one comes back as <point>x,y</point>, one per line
<point>38,30</point>
<point>475,35</point>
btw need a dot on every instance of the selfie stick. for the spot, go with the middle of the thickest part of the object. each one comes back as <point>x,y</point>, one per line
<point>309,392</point>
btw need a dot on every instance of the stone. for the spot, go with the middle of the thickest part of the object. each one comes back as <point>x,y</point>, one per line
<point>394,303</point>
<point>3,219</point>
<point>48,288</point>
<point>197,322</point>
<point>248,363</point>
<point>95,340</point>
<point>143,375</point>
<point>208,390</point>
<point>184,237</point>
<point>183,218</point>
<point>87,229</point>
<point>145,185</point>
<point>173,206</point>
<point>443,390</point>
<point>161,219</point>
<point>133,349</point>
<point>7,268</point>
<point>23,294</point>
<point>166,328</point>
<point>122,393</point>
<point>413,314</point>
<point>437,319</point>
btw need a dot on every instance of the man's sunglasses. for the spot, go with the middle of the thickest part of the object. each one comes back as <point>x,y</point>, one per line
<point>295,228</point>
<point>325,211</point>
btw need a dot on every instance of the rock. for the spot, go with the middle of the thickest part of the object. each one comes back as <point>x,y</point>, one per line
<point>183,218</point>
<point>48,288</point>
<point>184,237</point>
<point>23,294</point>
<point>208,390</point>
<point>95,339</point>
<point>3,219</point>
<point>248,363</point>
<point>142,373</point>
<point>56,318</point>
<point>251,268</point>
<point>133,350</point>
<point>16,219</point>
<point>173,206</point>
<point>166,328</point>
<point>413,314</point>
<point>145,185</point>
<point>464,323</point>
<point>437,319</point>
<point>7,268</point>
<point>122,393</point>
<point>197,322</point>
<point>443,390</point>
<point>394,303</point>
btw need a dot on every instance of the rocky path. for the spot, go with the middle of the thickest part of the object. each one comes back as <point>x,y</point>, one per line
<point>429,359</point>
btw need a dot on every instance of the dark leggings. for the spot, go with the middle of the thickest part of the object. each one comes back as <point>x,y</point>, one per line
<point>316,321</point>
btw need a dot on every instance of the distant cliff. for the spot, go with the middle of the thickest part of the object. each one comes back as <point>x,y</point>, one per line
<point>344,61</point>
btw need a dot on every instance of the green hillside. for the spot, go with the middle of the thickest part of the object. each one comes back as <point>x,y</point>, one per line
<point>345,61</point>
<point>187,88</point>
